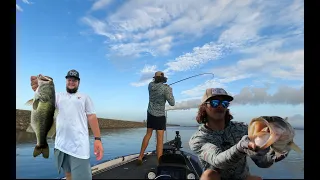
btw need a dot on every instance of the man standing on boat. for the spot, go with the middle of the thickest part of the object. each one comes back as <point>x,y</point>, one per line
<point>72,146</point>
<point>159,94</point>
<point>222,145</point>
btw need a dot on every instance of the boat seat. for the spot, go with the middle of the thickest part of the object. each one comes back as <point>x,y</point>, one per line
<point>172,158</point>
<point>168,147</point>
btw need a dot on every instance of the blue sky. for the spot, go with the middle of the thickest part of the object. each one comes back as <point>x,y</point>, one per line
<point>255,49</point>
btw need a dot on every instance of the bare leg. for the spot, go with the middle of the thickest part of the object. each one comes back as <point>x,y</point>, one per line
<point>145,142</point>
<point>159,143</point>
<point>251,177</point>
<point>68,176</point>
<point>210,174</point>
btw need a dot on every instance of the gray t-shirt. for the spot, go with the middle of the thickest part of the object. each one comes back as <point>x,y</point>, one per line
<point>219,150</point>
<point>159,93</point>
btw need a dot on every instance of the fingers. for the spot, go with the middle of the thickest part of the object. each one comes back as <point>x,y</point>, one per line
<point>34,82</point>
<point>34,87</point>
<point>98,151</point>
<point>99,157</point>
<point>283,156</point>
<point>33,78</point>
<point>252,145</point>
<point>99,154</point>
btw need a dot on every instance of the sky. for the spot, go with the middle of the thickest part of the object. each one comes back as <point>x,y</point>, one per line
<point>254,48</point>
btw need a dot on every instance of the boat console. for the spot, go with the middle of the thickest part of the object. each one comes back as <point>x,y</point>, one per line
<point>173,164</point>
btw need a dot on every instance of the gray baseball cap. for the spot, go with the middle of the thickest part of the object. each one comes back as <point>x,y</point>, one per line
<point>212,92</point>
<point>73,73</point>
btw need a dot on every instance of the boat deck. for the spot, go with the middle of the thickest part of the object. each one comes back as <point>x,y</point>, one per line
<point>130,170</point>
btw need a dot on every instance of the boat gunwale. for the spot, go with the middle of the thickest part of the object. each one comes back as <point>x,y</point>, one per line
<point>123,160</point>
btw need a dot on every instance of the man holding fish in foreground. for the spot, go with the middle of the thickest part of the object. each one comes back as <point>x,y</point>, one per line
<point>75,112</point>
<point>223,145</point>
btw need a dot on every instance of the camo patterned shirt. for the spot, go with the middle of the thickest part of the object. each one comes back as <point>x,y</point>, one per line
<point>219,150</point>
<point>159,93</point>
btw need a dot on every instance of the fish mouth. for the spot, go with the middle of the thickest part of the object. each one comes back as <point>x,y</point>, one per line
<point>262,133</point>
<point>44,78</point>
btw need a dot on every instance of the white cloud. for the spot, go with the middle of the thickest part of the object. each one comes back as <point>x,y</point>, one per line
<point>142,22</point>
<point>19,8</point>
<point>24,1</point>
<point>266,61</point>
<point>27,2</point>
<point>282,65</point>
<point>147,74</point>
<point>100,4</point>
<point>198,90</point>
<point>254,96</point>
<point>251,28</point>
<point>198,56</point>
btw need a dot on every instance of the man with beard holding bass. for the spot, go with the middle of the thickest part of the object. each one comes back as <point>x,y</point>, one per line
<point>72,148</point>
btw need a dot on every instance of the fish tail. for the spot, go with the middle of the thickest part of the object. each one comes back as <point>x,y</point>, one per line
<point>44,150</point>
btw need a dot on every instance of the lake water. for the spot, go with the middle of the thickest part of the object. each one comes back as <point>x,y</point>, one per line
<point>118,142</point>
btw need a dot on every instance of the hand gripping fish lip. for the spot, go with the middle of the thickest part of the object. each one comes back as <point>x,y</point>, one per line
<point>44,78</point>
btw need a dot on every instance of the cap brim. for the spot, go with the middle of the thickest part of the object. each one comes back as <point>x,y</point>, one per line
<point>229,98</point>
<point>73,77</point>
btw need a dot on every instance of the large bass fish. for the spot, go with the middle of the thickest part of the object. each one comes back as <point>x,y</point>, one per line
<point>273,131</point>
<point>42,114</point>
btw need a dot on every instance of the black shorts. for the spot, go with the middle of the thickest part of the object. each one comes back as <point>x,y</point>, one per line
<point>156,122</point>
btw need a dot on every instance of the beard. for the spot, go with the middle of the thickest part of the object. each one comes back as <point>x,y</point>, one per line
<point>218,116</point>
<point>72,91</point>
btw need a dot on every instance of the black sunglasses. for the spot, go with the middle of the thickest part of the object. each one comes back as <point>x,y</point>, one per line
<point>215,103</point>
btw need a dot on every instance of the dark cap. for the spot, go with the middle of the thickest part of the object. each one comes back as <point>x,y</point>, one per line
<point>73,73</point>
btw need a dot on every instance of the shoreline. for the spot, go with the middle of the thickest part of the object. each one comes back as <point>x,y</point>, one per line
<point>23,121</point>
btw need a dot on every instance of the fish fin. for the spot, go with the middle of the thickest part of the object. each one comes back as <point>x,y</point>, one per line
<point>286,118</point>
<point>44,151</point>
<point>294,147</point>
<point>56,112</point>
<point>35,104</point>
<point>30,129</point>
<point>29,103</point>
<point>52,130</point>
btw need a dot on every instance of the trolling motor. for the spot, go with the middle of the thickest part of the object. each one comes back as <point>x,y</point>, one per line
<point>177,141</point>
<point>174,145</point>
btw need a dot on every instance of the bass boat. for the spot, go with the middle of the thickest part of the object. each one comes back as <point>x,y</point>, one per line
<point>173,164</point>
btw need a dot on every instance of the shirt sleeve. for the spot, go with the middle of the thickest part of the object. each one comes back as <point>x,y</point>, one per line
<point>57,100</point>
<point>212,154</point>
<point>89,107</point>
<point>169,97</point>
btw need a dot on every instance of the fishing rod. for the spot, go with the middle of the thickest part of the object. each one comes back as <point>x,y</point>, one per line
<point>166,112</point>
<point>191,77</point>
